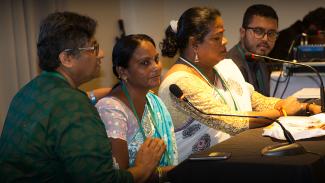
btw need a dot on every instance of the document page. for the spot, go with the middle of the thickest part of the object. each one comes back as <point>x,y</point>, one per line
<point>301,127</point>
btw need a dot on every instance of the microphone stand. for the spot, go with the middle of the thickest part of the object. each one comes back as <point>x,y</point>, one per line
<point>294,62</point>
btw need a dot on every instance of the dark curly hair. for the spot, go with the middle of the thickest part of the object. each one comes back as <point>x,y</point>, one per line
<point>124,49</point>
<point>59,31</point>
<point>194,22</point>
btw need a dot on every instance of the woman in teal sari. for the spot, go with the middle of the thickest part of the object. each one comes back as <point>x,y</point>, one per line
<point>131,112</point>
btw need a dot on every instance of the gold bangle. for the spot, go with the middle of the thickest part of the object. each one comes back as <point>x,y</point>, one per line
<point>284,112</point>
<point>160,173</point>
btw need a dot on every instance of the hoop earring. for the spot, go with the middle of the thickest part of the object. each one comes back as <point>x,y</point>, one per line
<point>196,58</point>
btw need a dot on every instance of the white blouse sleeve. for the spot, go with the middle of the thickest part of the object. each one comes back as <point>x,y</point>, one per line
<point>114,118</point>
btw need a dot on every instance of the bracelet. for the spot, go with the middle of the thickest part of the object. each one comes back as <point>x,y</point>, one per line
<point>92,96</point>
<point>284,112</point>
<point>160,173</point>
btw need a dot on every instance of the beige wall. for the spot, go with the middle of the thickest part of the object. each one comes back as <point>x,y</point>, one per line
<point>152,17</point>
<point>19,21</point>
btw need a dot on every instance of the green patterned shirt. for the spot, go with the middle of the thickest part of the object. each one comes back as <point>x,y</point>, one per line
<point>53,133</point>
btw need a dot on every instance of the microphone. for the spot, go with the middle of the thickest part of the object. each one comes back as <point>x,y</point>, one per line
<point>282,149</point>
<point>255,57</point>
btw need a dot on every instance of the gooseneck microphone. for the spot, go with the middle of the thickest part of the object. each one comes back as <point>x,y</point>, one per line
<point>255,57</point>
<point>283,149</point>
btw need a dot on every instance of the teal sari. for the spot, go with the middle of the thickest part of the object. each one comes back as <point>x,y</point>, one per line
<point>164,128</point>
<point>156,122</point>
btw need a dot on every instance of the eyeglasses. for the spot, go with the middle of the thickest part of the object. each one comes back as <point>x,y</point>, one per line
<point>259,33</point>
<point>94,49</point>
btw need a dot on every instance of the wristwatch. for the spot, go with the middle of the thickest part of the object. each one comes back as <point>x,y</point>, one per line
<point>93,99</point>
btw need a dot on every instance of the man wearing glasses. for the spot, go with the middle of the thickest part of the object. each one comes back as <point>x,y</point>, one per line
<point>257,35</point>
<point>52,132</point>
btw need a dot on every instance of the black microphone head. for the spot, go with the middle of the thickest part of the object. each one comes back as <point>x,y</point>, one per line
<point>175,90</point>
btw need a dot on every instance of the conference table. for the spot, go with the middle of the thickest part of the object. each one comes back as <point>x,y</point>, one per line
<point>247,164</point>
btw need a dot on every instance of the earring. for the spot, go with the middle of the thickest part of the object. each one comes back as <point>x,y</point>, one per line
<point>196,58</point>
<point>125,79</point>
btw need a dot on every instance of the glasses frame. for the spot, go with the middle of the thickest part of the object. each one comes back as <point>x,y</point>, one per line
<point>268,33</point>
<point>94,48</point>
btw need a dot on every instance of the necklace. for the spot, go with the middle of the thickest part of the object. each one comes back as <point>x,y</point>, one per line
<point>126,92</point>
<point>224,84</point>
<point>198,71</point>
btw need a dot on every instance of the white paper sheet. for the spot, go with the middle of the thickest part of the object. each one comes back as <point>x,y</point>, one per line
<point>300,127</point>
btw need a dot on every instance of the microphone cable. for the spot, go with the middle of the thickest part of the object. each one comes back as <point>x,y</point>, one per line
<point>178,93</point>
<point>278,81</point>
<point>299,149</point>
<point>287,84</point>
<point>294,62</point>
